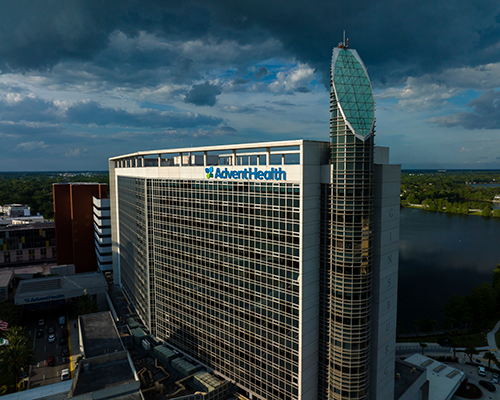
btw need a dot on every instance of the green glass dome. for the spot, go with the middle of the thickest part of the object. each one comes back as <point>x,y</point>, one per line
<point>353,92</point>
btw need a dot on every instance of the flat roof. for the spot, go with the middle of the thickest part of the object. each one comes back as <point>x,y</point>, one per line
<point>408,374</point>
<point>99,334</point>
<point>443,379</point>
<point>6,276</point>
<point>49,288</point>
<point>243,146</point>
<point>104,376</point>
<point>35,225</point>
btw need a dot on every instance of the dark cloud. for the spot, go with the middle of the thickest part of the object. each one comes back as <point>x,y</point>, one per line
<point>396,39</point>
<point>203,95</point>
<point>261,73</point>
<point>485,114</point>
<point>89,112</point>
<point>302,89</point>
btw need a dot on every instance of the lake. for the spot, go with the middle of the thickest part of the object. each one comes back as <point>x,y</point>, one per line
<point>441,255</point>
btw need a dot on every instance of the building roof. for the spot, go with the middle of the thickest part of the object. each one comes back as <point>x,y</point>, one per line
<point>23,227</point>
<point>104,376</point>
<point>408,374</point>
<point>50,288</point>
<point>222,148</point>
<point>99,334</point>
<point>443,379</point>
<point>6,276</point>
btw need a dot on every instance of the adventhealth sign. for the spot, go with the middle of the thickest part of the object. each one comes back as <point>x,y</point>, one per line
<point>275,174</point>
<point>44,298</point>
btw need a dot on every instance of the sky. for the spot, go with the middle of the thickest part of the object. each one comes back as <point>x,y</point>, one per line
<point>85,80</point>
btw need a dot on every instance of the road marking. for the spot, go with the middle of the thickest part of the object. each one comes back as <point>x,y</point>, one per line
<point>69,348</point>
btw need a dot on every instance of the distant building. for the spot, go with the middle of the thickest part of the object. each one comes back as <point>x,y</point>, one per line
<point>16,210</point>
<point>74,219</point>
<point>27,244</point>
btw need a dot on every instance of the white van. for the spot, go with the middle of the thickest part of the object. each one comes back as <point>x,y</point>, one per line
<point>62,320</point>
<point>481,371</point>
<point>65,374</point>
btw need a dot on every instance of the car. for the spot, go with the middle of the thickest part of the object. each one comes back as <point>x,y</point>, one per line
<point>65,333</point>
<point>65,352</point>
<point>50,361</point>
<point>52,338</point>
<point>444,342</point>
<point>495,378</point>
<point>481,371</point>
<point>62,340</point>
<point>41,322</point>
<point>65,374</point>
<point>51,329</point>
<point>39,333</point>
<point>487,385</point>
<point>478,361</point>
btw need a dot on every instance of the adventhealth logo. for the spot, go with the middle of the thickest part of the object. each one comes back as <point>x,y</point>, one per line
<point>275,174</point>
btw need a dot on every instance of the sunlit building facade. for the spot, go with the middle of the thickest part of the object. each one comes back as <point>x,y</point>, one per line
<point>260,261</point>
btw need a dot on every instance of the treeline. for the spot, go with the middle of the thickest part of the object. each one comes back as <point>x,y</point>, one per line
<point>35,189</point>
<point>451,192</point>
<point>479,308</point>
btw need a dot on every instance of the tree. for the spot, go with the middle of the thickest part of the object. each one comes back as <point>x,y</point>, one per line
<point>490,357</point>
<point>482,302</point>
<point>85,304</point>
<point>9,312</point>
<point>17,355</point>
<point>457,308</point>
<point>470,351</point>
<point>428,324</point>
<point>423,345</point>
<point>416,323</point>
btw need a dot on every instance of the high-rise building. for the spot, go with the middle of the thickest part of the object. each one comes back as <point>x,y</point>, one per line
<point>273,263</point>
<point>74,219</point>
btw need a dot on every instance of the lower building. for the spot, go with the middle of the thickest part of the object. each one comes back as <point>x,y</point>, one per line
<point>27,244</point>
<point>74,219</point>
<point>102,234</point>
<point>223,259</point>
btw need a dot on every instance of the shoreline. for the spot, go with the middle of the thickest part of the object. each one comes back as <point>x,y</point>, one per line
<point>420,207</point>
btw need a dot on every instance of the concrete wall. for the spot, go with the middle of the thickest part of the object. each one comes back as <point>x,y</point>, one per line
<point>311,156</point>
<point>387,180</point>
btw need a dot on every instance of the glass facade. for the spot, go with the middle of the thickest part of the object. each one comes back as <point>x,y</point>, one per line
<point>133,243</point>
<point>353,92</point>
<point>225,260</point>
<point>346,241</point>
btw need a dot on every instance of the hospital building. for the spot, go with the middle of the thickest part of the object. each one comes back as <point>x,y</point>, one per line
<point>274,264</point>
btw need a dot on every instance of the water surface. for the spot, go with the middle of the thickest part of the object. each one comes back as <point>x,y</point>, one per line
<point>441,255</point>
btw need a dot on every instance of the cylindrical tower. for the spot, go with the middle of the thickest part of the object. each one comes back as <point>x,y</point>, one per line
<point>347,231</point>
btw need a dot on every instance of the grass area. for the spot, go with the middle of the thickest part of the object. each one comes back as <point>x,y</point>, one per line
<point>471,339</point>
